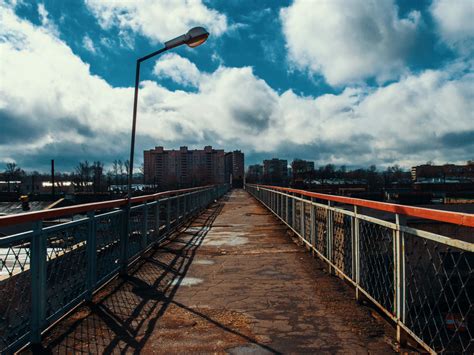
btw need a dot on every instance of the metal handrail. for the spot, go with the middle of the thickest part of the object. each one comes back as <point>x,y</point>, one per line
<point>462,219</point>
<point>87,207</point>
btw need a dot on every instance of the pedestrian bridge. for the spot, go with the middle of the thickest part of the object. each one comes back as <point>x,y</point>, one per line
<point>261,270</point>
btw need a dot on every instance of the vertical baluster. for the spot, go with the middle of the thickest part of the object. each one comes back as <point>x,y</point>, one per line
<point>157,218</point>
<point>91,253</point>
<point>38,282</point>
<point>144,231</point>
<point>302,231</point>
<point>399,268</point>
<point>168,215</point>
<point>329,234</point>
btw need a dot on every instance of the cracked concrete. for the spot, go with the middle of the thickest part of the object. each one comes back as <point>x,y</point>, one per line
<point>263,295</point>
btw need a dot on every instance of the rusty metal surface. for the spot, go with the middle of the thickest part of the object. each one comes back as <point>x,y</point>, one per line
<point>231,282</point>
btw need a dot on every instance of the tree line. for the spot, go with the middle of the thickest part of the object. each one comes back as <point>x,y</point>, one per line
<point>85,175</point>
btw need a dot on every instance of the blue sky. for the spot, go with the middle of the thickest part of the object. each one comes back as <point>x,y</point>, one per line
<point>345,82</point>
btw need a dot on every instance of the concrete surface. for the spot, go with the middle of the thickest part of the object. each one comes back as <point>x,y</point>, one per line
<point>233,281</point>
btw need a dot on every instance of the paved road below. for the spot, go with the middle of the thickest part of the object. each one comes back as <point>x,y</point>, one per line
<point>233,281</point>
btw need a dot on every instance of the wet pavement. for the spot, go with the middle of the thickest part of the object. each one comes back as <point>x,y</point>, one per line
<point>233,281</point>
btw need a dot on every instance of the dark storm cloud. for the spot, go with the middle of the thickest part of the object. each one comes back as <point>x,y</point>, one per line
<point>322,151</point>
<point>457,139</point>
<point>17,128</point>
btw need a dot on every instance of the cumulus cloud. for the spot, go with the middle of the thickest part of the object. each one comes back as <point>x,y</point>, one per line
<point>179,69</point>
<point>455,22</point>
<point>51,105</point>
<point>348,41</point>
<point>157,20</point>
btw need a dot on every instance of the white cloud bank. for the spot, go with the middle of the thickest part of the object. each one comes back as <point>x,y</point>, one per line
<point>50,104</point>
<point>348,41</point>
<point>455,20</point>
<point>158,20</point>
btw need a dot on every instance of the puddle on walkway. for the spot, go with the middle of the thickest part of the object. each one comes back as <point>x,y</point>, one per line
<point>224,238</point>
<point>187,281</point>
<point>203,262</point>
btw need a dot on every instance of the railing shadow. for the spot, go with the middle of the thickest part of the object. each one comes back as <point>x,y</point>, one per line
<point>124,314</point>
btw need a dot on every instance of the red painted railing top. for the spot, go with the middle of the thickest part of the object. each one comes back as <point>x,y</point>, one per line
<point>462,219</point>
<point>87,207</point>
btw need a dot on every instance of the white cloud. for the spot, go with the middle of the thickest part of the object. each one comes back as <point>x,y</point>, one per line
<point>51,104</point>
<point>88,44</point>
<point>179,69</point>
<point>348,41</point>
<point>158,20</point>
<point>455,20</point>
<point>44,18</point>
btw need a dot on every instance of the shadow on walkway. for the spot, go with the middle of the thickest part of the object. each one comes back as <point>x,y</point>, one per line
<point>122,316</point>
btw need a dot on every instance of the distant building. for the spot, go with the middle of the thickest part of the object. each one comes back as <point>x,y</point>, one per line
<point>171,169</point>
<point>254,174</point>
<point>234,168</point>
<point>442,173</point>
<point>275,171</point>
<point>301,170</point>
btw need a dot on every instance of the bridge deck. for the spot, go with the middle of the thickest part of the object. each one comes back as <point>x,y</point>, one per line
<point>232,281</point>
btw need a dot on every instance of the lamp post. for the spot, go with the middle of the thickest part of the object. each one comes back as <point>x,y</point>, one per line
<point>193,38</point>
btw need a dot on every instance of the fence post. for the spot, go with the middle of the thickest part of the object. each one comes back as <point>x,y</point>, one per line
<point>293,214</point>
<point>91,250</point>
<point>302,219</point>
<point>126,214</point>
<point>157,218</point>
<point>399,259</point>
<point>359,295</point>
<point>177,209</point>
<point>313,227</point>
<point>286,209</point>
<point>185,203</point>
<point>144,232</point>
<point>168,215</point>
<point>38,282</point>
<point>330,235</point>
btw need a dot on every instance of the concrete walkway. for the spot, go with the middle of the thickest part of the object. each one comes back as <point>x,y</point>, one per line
<point>233,281</point>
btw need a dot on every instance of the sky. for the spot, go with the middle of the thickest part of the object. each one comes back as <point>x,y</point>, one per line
<point>346,82</point>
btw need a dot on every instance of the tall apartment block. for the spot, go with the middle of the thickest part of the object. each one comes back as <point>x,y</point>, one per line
<point>171,169</point>
<point>255,174</point>
<point>275,171</point>
<point>234,168</point>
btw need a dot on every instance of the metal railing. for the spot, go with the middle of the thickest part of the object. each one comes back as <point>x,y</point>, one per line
<point>398,257</point>
<point>46,271</point>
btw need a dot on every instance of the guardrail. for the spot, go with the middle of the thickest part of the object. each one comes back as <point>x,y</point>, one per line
<point>45,272</point>
<point>423,281</point>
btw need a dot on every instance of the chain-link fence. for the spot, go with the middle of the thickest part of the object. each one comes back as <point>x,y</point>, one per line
<point>47,271</point>
<point>423,281</point>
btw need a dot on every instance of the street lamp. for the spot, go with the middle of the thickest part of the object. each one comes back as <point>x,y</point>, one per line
<point>195,37</point>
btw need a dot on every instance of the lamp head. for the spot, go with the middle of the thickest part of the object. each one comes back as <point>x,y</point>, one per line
<point>195,37</point>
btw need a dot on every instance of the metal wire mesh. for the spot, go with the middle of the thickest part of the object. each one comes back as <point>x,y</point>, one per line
<point>15,292</point>
<point>108,233</point>
<point>66,266</point>
<point>440,295</point>
<point>376,262</point>
<point>342,242</point>
<point>321,230</point>
<point>137,220</point>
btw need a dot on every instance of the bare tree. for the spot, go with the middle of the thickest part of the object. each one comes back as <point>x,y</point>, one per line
<point>83,174</point>
<point>12,173</point>
<point>115,170</point>
<point>97,172</point>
